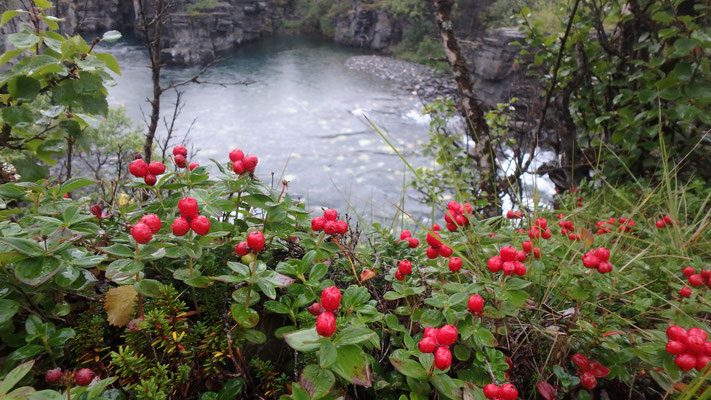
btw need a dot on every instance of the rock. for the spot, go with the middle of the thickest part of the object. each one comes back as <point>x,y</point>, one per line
<point>365,27</point>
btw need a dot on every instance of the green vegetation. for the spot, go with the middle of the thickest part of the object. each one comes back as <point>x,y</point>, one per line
<point>199,6</point>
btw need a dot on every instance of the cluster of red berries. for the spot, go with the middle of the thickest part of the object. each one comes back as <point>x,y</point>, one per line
<point>599,259</point>
<point>509,260</point>
<point>690,347</point>
<point>255,243</point>
<point>436,248</point>
<point>329,223</point>
<point>623,225</point>
<point>540,229</point>
<point>455,215</point>
<point>568,229</point>
<point>695,279</point>
<point>148,172</point>
<point>190,219</point>
<point>404,268</point>
<point>511,214</point>
<point>666,221</point>
<point>83,377</point>
<point>437,341</point>
<point>144,230</point>
<point>507,391</point>
<point>527,247</point>
<point>180,154</point>
<point>242,163</point>
<point>326,321</point>
<point>407,236</point>
<point>475,304</point>
<point>589,370</point>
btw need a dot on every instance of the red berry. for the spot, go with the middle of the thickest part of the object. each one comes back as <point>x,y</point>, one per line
<point>314,309</point>
<point>188,207</point>
<point>53,375</point>
<point>604,267</point>
<point>193,165</point>
<point>603,254</point>
<point>405,234</point>
<point>150,179</point>
<point>242,249</point>
<point>688,271</point>
<point>96,210</point>
<point>405,267</point>
<point>200,225</point>
<point>697,332</point>
<point>341,227</point>
<point>527,246</point>
<point>255,240</point>
<point>537,253</point>
<point>180,226</point>
<point>236,155</point>
<point>685,291</point>
<point>331,298</point>
<point>491,391</point>
<point>318,223</point>
<point>668,220</point>
<point>180,161</point>
<point>675,332</point>
<point>443,358</point>
<point>447,335</point>
<point>445,251</point>
<point>508,253</point>
<point>541,223</point>
<point>152,221</point>
<point>331,228</point>
<point>180,150</point>
<point>706,273</point>
<point>546,234</point>
<point>427,345</point>
<point>455,264</point>
<point>685,362</point>
<point>451,227</point>
<point>138,168</point>
<point>588,380</point>
<point>696,280</point>
<point>436,227</point>
<point>250,162</point>
<point>84,376</point>
<point>330,214</point>
<point>326,324</point>
<point>494,264</point>
<point>510,214</point>
<point>141,233</point>
<point>433,239</point>
<point>156,168</point>
<point>432,253</point>
<point>508,267</point>
<point>413,242</point>
<point>399,276</point>
<point>508,391</point>
<point>675,347</point>
<point>519,268</point>
<point>707,348</point>
<point>701,361</point>
<point>476,303</point>
<point>590,261</point>
<point>580,360</point>
<point>598,370</point>
<point>431,332</point>
<point>660,223</point>
<point>238,167</point>
<point>521,256</point>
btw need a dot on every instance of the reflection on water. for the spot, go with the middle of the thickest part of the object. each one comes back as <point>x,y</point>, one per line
<point>303,114</point>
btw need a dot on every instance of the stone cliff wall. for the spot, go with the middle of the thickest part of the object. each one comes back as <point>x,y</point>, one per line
<point>365,27</point>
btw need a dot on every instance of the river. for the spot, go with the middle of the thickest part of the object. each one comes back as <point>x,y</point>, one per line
<point>303,115</point>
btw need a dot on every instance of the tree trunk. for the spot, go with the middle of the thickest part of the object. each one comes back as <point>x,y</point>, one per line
<point>477,128</point>
<point>152,32</point>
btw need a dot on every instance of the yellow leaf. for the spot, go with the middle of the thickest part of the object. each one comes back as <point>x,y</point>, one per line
<point>119,304</point>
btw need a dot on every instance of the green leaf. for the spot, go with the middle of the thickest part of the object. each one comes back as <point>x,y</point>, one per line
<point>318,382</point>
<point>43,4</point>
<point>51,21</point>
<point>446,386</point>
<point>231,389</point>
<point>8,15</point>
<point>353,335</point>
<point>246,317</point>
<point>15,376</point>
<point>119,250</point>
<point>303,340</point>
<point>24,246</point>
<point>36,271</point>
<point>149,287</point>
<point>255,336</point>
<point>9,55</point>
<point>352,365</point>
<point>74,184</point>
<point>17,116</point>
<point>409,368</point>
<point>327,354</point>
<point>60,337</point>
<point>110,62</point>
<point>277,307</point>
<point>23,40</point>
<point>8,308</point>
<point>26,351</point>
<point>111,36</point>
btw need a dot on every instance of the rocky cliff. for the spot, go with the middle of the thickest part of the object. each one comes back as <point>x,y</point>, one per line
<point>363,26</point>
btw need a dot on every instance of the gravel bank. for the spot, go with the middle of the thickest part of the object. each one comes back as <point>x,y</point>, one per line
<point>424,81</point>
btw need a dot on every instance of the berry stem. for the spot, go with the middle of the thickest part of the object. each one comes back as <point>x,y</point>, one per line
<point>355,275</point>
<point>249,288</point>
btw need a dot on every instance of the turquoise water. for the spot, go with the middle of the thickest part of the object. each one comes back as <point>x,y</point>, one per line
<point>303,115</point>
